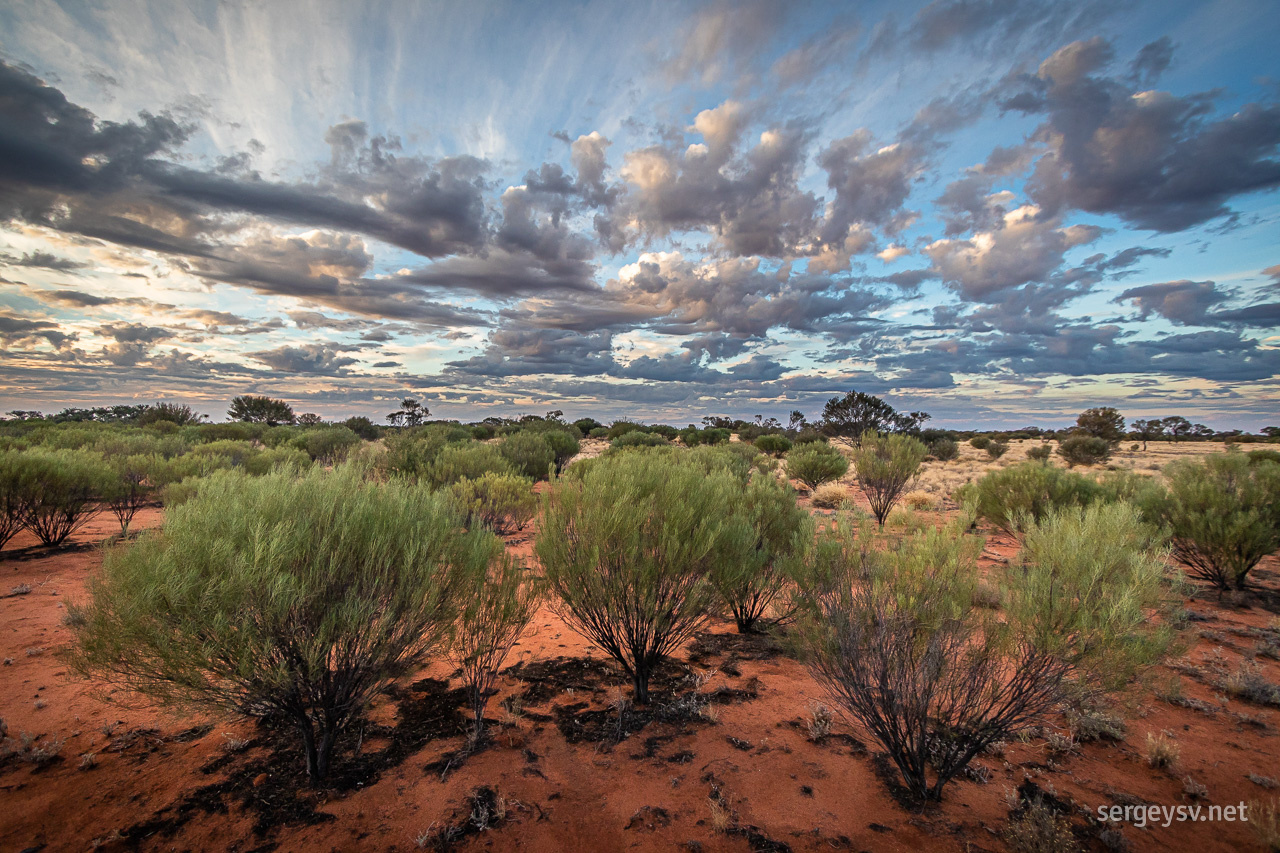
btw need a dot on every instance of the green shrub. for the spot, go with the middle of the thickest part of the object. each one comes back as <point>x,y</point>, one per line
<point>363,427</point>
<point>223,453</point>
<point>765,539</point>
<point>530,453</point>
<point>1257,457</point>
<point>277,457</point>
<point>564,445</point>
<point>816,463</point>
<point>1012,497</point>
<point>133,482</point>
<point>996,448</point>
<point>1222,514</point>
<point>329,445</point>
<point>621,428</point>
<point>944,450</point>
<point>892,635</point>
<point>738,459</point>
<point>58,491</point>
<point>670,433</point>
<point>296,599</point>
<point>886,465</point>
<point>1040,453</point>
<point>1084,450</point>
<point>627,548</point>
<point>225,432</point>
<point>497,606</point>
<point>504,503</point>
<point>808,435</point>
<point>636,438</point>
<point>412,451</point>
<point>11,495</point>
<point>980,442</point>
<point>466,460</point>
<point>587,426</point>
<point>483,432</point>
<point>773,444</point>
<point>691,436</point>
<point>599,432</point>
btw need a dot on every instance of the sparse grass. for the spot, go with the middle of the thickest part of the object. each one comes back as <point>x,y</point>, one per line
<point>1038,828</point>
<point>1262,781</point>
<point>829,496</point>
<point>1194,790</point>
<point>30,749</point>
<point>1162,752</point>
<point>1264,818</point>
<point>1248,683</point>
<point>88,761</point>
<point>818,723</point>
<point>721,816</point>
<point>1090,724</point>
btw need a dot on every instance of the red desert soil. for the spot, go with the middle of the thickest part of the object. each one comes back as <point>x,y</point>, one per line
<point>555,780</point>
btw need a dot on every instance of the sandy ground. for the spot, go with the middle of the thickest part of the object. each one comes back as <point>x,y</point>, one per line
<point>742,775</point>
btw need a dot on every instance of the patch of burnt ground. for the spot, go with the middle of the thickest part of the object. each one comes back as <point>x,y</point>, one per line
<point>268,779</point>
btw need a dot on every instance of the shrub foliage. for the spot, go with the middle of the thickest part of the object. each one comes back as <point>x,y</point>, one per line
<point>816,463</point>
<point>290,598</point>
<point>886,465</point>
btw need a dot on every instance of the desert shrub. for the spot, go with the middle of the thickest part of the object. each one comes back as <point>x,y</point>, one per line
<point>1012,497</point>
<point>11,494</point>
<point>1084,450</point>
<point>1040,453</point>
<point>586,425</point>
<point>626,549</point>
<point>1035,826</point>
<point>328,445</point>
<point>829,496</point>
<point>692,436</point>
<point>891,634</point>
<point>470,460</point>
<point>564,445</point>
<point>225,432</point>
<point>498,604</point>
<point>944,450</point>
<point>773,444</point>
<point>180,491</point>
<point>1257,457</point>
<point>808,435</point>
<point>886,465</point>
<point>736,459</point>
<point>621,428</point>
<point>1222,514</point>
<point>504,503</point>
<point>816,463</point>
<point>276,457</point>
<point>980,442</point>
<point>223,453</point>
<point>636,438</point>
<point>1124,486</point>
<point>283,436</point>
<point>295,599</point>
<point>132,482</point>
<point>529,453</point>
<point>996,448</point>
<point>483,432</point>
<point>599,432</point>
<point>363,427</point>
<point>765,538</point>
<point>58,490</point>
<point>411,452</point>
<point>667,431</point>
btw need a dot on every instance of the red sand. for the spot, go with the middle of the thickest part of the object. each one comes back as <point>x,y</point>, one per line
<point>592,797</point>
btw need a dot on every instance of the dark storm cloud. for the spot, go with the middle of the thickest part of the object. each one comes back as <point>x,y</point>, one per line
<point>523,351</point>
<point>1157,160</point>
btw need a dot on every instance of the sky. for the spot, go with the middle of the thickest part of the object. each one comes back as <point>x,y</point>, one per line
<point>1000,212</point>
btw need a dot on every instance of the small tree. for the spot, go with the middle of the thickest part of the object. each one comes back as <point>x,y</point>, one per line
<point>362,427</point>
<point>260,410</point>
<point>174,413</point>
<point>1084,450</point>
<point>411,413</point>
<point>1103,422</point>
<point>892,634</point>
<point>996,448</point>
<point>766,538</point>
<point>857,413</point>
<point>627,547</point>
<point>309,419</point>
<point>497,606</point>
<point>296,599</point>
<point>11,494</point>
<point>1222,513</point>
<point>816,463</point>
<point>886,466</point>
<point>1147,429</point>
<point>1176,427</point>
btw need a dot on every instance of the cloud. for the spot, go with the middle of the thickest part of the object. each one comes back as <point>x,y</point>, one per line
<point>1195,303</point>
<point>322,359</point>
<point>1157,160</point>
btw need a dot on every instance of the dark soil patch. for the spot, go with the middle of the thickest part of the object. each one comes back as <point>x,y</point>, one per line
<point>725,650</point>
<point>549,679</point>
<point>271,783</point>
